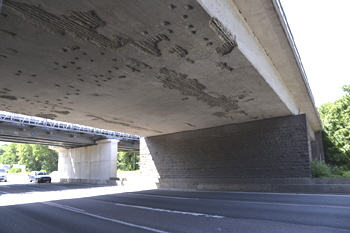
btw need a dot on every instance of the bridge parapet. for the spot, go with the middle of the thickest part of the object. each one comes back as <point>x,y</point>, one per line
<point>64,126</point>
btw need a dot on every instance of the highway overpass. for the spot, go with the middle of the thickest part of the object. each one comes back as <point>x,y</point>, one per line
<point>35,130</point>
<point>214,81</point>
<point>85,153</point>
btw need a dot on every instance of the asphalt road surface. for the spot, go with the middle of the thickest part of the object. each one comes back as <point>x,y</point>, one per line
<point>56,207</point>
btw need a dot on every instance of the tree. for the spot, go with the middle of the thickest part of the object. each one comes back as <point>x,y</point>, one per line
<point>27,157</point>
<point>346,88</point>
<point>128,161</point>
<point>35,157</point>
<point>48,157</point>
<point>336,124</point>
<point>2,149</point>
<point>10,156</point>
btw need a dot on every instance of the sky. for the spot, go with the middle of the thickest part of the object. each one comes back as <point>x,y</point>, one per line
<point>321,31</point>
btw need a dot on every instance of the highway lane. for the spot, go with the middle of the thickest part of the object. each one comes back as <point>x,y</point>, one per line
<point>88,208</point>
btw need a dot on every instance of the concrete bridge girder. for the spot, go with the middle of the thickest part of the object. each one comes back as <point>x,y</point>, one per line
<point>270,48</point>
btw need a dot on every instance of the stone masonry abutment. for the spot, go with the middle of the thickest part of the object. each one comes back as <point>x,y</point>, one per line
<point>266,149</point>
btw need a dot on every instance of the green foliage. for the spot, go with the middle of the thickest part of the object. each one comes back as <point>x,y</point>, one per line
<point>3,149</point>
<point>346,174</point>
<point>35,157</point>
<point>128,161</point>
<point>27,157</point>
<point>336,124</point>
<point>320,169</point>
<point>47,157</point>
<point>15,170</point>
<point>346,88</point>
<point>10,156</point>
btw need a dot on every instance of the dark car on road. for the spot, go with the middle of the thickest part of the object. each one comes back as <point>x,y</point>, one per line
<point>39,177</point>
<point>3,174</point>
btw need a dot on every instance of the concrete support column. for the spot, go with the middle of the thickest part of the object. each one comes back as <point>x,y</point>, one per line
<point>91,164</point>
<point>63,156</point>
<point>109,153</point>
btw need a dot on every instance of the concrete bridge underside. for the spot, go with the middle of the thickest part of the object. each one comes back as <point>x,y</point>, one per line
<point>159,68</point>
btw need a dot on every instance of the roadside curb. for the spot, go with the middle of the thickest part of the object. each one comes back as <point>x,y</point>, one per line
<point>278,185</point>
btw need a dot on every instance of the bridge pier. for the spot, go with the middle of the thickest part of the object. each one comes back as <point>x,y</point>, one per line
<point>95,164</point>
<point>266,149</point>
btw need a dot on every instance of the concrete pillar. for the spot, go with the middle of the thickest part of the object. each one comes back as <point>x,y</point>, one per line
<point>109,156</point>
<point>91,164</point>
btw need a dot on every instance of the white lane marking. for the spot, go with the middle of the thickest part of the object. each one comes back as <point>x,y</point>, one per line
<point>80,211</point>
<point>64,207</point>
<point>170,211</point>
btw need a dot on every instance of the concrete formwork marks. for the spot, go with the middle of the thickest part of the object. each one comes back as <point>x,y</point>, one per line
<point>9,97</point>
<point>181,52</point>
<point>8,33</point>
<point>86,19</point>
<point>225,35</point>
<point>150,45</point>
<point>191,87</point>
<point>136,63</point>
<point>224,66</point>
<point>82,26</point>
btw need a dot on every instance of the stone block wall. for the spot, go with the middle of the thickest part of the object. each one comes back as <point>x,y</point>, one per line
<point>272,148</point>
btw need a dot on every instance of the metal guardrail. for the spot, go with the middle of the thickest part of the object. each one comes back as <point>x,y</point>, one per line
<point>58,125</point>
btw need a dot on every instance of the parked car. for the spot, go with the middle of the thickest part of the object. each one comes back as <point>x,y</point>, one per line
<point>3,174</point>
<point>39,176</point>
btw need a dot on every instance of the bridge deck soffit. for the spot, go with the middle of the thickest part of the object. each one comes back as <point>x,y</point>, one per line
<point>141,67</point>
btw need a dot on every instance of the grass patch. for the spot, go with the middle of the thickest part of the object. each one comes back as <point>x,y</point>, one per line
<point>322,170</point>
